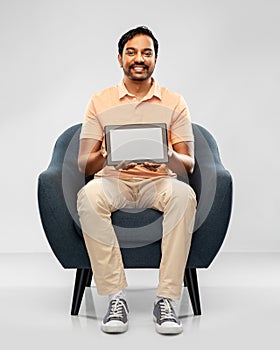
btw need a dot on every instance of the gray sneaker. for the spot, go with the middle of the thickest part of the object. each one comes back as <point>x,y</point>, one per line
<point>115,320</point>
<point>165,318</point>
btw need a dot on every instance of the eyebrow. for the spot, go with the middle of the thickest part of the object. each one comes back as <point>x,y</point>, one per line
<point>133,48</point>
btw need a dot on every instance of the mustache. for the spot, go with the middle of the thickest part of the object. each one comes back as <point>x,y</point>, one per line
<point>138,65</point>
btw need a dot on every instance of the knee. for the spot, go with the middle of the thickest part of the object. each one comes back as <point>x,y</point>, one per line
<point>90,193</point>
<point>184,193</point>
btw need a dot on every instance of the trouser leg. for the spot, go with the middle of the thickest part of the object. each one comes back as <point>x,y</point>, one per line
<point>107,266</point>
<point>177,201</point>
<point>96,201</point>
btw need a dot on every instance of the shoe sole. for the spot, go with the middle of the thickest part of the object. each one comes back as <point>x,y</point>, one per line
<point>168,328</point>
<point>114,327</point>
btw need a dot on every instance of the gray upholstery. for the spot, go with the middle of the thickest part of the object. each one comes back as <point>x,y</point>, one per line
<point>57,192</point>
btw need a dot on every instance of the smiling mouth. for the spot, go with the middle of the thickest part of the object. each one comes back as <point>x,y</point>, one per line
<point>139,69</point>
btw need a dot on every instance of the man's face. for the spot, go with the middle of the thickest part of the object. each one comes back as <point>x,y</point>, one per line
<point>138,58</point>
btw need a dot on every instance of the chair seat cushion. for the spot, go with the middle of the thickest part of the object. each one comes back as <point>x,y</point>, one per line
<point>135,227</point>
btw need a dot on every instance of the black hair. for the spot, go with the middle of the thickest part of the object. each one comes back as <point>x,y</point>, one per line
<point>131,34</point>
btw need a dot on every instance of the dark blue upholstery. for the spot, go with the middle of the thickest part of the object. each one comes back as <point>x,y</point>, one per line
<point>57,193</point>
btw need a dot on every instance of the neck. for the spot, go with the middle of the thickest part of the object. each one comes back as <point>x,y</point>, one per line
<point>138,88</point>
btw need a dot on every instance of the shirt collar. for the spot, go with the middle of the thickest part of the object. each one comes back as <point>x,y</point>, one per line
<point>155,90</point>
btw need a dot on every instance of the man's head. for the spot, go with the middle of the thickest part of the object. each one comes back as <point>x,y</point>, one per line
<point>138,50</point>
<point>132,33</point>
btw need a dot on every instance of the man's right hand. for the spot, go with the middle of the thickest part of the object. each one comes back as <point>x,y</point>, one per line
<point>123,166</point>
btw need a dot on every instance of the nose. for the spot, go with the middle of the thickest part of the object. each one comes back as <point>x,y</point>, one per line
<point>139,57</point>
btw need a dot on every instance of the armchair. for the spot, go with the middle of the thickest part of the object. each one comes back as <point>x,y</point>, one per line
<point>57,192</point>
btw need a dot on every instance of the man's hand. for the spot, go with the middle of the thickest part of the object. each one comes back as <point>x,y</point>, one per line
<point>151,166</point>
<point>123,166</point>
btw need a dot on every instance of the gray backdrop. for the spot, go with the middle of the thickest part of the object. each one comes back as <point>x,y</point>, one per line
<point>221,55</point>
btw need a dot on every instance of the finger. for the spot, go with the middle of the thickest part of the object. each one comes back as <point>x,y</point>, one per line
<point>170,152</point>
<point>120,165</point>
<point>152,168</point>
<point>104,154</point>
<point>130,165</point>
<point>153,165</point>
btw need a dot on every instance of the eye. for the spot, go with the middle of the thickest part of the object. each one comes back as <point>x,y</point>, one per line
<point>130,52</point>
<point>148,53</point>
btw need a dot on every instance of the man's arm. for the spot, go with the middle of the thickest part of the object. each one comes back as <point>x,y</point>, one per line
<point>181,158</point>
<point>91,157</point>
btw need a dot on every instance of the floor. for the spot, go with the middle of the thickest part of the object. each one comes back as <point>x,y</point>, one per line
<point>239,298</point>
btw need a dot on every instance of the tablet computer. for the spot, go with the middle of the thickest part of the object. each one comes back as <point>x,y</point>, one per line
<point>137,143</point>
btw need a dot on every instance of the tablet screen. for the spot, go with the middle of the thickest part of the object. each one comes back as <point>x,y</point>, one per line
<point>136,143</point>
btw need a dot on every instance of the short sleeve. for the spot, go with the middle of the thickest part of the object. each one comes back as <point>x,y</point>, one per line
<point>181,126</point>
<point>91,128</point>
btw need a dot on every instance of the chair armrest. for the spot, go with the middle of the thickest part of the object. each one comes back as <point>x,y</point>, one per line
<point>57,221</point>
<point>210,234</point>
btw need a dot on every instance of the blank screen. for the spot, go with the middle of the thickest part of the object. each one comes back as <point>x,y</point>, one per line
<point>139,143</point>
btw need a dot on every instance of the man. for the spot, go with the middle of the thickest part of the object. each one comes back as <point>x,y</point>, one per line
<point>137,99</point>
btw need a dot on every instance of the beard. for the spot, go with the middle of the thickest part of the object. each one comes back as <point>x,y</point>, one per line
<point>131,74</point>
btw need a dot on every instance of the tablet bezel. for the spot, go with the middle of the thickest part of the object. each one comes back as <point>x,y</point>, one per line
<point>109,128</point>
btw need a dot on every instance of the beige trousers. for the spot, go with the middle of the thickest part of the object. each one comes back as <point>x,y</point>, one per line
<point>100,197</point>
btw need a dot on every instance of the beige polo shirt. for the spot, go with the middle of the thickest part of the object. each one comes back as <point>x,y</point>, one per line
<point>116,106</point>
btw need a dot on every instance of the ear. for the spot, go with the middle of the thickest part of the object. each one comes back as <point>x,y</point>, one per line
<point>120,60</point>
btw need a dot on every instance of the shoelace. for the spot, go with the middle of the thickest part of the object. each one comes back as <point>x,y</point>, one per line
<point>117,308</point>
<point>166,310</point>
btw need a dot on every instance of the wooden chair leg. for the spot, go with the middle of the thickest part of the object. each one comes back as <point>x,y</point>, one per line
<point>79,288</point>
<point>190,281</point>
